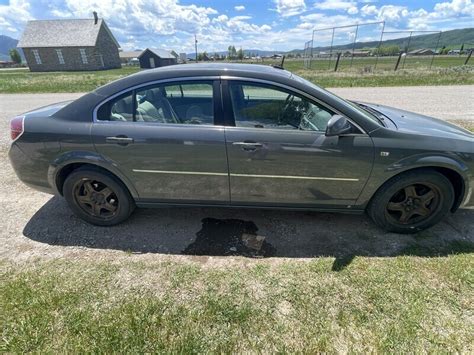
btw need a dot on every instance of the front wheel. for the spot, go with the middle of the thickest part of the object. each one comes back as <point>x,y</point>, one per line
<point>411,202</point>
<point>97,197</point>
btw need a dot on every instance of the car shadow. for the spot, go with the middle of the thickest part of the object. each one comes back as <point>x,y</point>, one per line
<point>249,233</point>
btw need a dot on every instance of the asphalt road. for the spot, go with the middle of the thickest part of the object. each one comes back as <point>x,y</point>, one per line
<point>34,224</point>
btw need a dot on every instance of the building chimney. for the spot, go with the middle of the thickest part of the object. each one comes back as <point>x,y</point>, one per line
<point>96,18</point>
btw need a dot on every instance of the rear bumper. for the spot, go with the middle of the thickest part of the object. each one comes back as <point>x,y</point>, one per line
<point>30,173</point>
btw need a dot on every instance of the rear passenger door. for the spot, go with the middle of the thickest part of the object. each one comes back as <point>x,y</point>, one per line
<point>170,145</point>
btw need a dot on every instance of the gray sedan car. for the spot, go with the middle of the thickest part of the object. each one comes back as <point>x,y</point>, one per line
<point>236,135</point>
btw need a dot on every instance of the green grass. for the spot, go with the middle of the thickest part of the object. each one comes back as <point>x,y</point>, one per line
<point>446,71</point>
<point>24,81</point>
<point>403,304</point>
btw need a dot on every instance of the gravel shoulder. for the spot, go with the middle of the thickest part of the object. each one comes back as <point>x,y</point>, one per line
<point>35,225</point>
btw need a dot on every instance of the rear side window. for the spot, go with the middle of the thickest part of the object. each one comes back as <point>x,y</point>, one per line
<point>118,109</point>
<point>176,103</point>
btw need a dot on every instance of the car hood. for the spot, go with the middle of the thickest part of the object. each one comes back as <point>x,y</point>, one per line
<point>47,111</point>
<point>410,122</point>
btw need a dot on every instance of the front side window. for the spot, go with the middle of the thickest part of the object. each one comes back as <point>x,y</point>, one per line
<point>60,56</point>
<point>37,56</point>
<point>174,103</point>
<point>264,106</point>
<point>83,54</point>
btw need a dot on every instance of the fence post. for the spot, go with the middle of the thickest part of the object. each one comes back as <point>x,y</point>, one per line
<point>380,44</point>
<point>398,61</point>
<point>337,60</point>
<point>408,50</point>
<point>354,44</point>
<point>468,57</point>
<point>436,49</point>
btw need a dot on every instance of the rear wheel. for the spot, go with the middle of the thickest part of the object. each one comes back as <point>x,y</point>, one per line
<point>412,201</point>
<point>97,197</point>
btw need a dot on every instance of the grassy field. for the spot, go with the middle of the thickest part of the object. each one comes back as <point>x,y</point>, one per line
<point>446,71</point>
<point>404,304</point>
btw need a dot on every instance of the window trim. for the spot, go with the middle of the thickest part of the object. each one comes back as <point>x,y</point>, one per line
<point>83,55</point>
<point>230,112</point>
<point>60,55</point>
<point>37,56</point>
<point>216,96</point>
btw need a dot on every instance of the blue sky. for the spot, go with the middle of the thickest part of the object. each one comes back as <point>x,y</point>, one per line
<point>254,24</point>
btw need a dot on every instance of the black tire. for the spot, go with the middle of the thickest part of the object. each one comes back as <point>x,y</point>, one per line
<point>97,197</point>
<point>412,201</point>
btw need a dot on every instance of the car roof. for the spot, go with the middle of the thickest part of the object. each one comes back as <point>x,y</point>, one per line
<point>199,69</point>
<point>195,70</point>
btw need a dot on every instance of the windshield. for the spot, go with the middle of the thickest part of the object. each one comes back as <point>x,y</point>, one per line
<point>364,112</point>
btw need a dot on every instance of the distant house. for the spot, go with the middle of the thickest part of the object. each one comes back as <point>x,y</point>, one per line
<point>421,51</point>
<point>69,45</point>
<point>130,57</point>
<point>454,52</point>
<point>155,58</point>
<point>357,53</point>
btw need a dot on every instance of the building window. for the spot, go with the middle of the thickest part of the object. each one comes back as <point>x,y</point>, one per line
<point>83,56</point>
<point>60,56</point>
<point>37,56</point>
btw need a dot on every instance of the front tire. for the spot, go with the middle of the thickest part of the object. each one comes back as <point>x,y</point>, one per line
<point>412,201</point>
<point>97,197</point>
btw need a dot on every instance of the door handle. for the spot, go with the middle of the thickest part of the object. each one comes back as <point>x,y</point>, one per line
<point>120,140</point>
<point>249,146</point>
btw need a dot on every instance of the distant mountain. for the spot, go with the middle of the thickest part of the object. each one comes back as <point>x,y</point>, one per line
<point>453,38</point>
<point>7,43</point>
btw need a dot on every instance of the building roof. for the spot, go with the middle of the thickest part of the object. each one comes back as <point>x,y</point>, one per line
<point>162,53</point>
<point>62,33</point>
<point>130,54</point>
<point>421,50</point>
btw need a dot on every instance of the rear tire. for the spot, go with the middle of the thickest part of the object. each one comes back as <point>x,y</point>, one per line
<point>97,197</point>
<point>412,201</point>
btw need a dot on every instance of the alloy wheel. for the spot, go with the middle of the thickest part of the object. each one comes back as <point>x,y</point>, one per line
<point>413,203</point>
<point>96,198</point>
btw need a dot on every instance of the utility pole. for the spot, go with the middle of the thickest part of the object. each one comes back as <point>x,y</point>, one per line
<point>196,47</point>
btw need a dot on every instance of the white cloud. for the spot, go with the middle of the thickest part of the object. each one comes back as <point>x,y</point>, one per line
<point>369,10</point>
<point>171,24</point>
<point>14,16</point>
<point>334,5</point>
<point>288,8</point>
<point>455,7</point>
<point>353,10</point>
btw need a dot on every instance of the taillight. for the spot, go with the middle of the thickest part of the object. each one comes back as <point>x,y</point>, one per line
<point>17,127</point>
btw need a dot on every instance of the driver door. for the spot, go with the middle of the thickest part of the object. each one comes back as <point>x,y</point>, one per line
<point>279,154</point>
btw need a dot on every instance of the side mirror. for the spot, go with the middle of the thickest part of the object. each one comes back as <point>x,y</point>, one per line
<point>338,125</point>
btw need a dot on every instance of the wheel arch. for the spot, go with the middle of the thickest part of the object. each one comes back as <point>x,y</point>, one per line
<point>65,165</point>
<point>455,178</point>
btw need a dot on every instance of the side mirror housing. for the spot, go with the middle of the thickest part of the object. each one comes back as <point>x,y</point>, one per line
<point>338,125</point>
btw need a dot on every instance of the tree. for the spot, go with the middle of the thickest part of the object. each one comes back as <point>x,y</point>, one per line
<point>15,56</point>
<point>203,56</point>
<point>387,50</point>
<point>240,54</point>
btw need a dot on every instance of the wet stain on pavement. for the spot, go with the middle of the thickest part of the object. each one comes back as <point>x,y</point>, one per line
<point>222,237</point>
